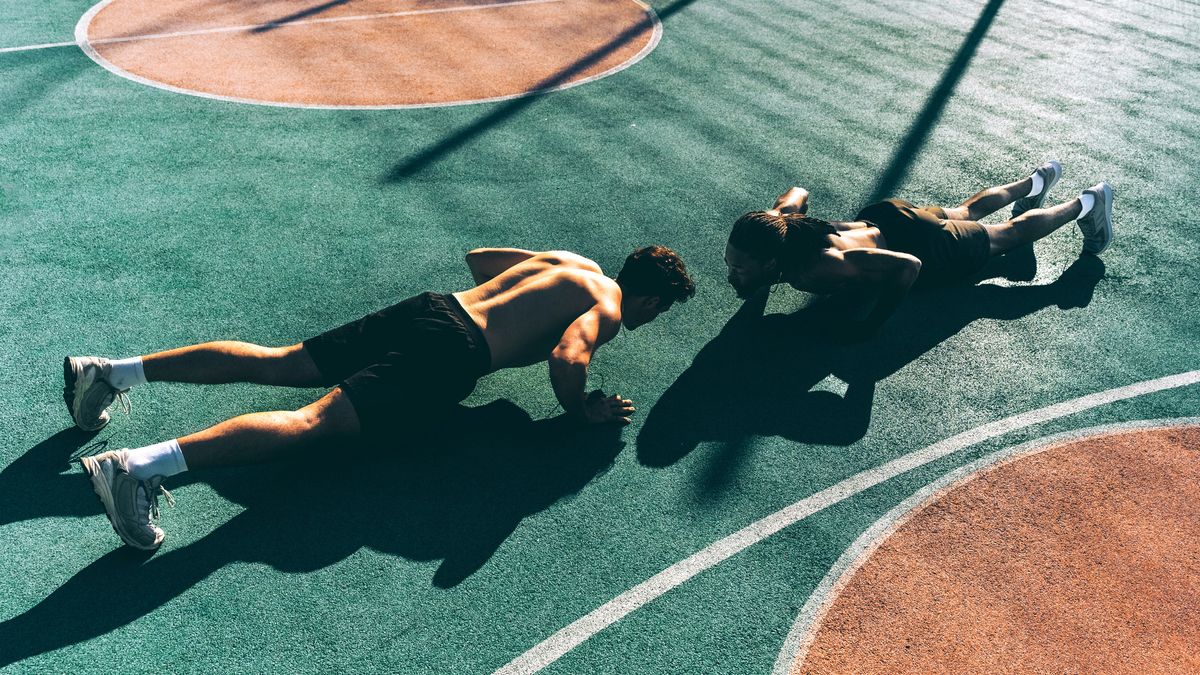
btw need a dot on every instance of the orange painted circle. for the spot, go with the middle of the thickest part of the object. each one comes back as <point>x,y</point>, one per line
<point>367,53</point>
<point>1082,558</point>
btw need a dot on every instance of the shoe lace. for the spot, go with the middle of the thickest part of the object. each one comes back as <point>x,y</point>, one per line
<point>122,395</point>
<point>149,491</point>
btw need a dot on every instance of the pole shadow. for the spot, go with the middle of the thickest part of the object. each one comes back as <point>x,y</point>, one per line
<point>935,104</point>
<point>450,495</point>
<point>296,16</point>
<point>422,159</point>
<point>756,377</point>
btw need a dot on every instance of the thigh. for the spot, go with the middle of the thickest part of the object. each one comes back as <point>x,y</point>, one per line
<point>333,414</point>
<point>963,250</point>
<point>347,349</point>
<point>406,387</point>
<point>1002,237</point>
<point>949,213</point>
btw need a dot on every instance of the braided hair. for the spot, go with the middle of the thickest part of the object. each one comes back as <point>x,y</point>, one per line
<point>791,238</point>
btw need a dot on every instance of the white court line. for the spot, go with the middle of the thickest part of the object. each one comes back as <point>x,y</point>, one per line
<point>29,48</point>
<point>552,648</point>
<point>81,39</point>
<point>273,24</point>
<point>803,632</point>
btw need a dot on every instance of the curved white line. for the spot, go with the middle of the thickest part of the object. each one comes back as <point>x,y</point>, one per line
<point>567,638</point>
<point>81,38</point>
<point>306,22</point>
<point>808,620</point>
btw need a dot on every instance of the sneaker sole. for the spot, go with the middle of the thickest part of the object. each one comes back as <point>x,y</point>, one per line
<point>100,481</point>
<point>77,380</point>
<point>1108,232</point>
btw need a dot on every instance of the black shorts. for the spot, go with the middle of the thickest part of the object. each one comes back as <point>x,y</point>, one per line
<point>411,361</point>
<point>950,251</point>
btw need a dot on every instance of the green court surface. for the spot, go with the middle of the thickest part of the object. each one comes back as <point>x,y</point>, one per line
<point>136,219</point>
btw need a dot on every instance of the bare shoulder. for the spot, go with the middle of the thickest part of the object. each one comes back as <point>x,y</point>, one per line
<point>568,259</point>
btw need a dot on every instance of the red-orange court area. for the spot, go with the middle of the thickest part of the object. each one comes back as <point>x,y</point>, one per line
<point>369,53</point>
<point>1081,558</point>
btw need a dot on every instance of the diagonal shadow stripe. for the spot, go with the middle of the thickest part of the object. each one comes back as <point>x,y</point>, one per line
<point>433,153</point>
<point>906,154</point>
<point>302,14</point>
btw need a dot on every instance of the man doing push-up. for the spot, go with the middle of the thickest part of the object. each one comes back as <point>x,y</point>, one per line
<point>893,245</point>
<point>416,358</point>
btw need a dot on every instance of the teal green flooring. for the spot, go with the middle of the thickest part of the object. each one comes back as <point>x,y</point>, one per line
<point>135,219</point>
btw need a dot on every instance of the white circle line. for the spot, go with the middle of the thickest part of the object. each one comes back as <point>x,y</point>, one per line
<point>81,39</point>
<point>572,635</point>
<point>306,22</point>
<point>803,632</point>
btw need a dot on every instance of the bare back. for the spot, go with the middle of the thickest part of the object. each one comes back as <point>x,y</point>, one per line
<point>832,272</point>
<point>524,311</point>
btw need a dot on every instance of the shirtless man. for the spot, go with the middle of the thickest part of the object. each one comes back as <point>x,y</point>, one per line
<point>418,357</point>
<point>893,245</point>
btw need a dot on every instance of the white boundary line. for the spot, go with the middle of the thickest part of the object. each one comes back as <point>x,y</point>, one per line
<point>81,39</point>
<point>305,22</point>
<point>29,48</point>
<point>803,632</point>
<point>567,638</point>
<point>273,24</point>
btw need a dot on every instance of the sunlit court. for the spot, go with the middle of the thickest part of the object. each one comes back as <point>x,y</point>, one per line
<point>599,336</point>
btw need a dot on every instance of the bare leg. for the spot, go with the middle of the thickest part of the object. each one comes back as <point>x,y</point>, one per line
<point>986,202</point>
<point>1031,226</point>
<point>260,437</point>
<point>221,362</point>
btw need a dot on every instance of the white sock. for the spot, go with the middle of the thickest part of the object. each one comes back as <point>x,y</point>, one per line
<point>1038,184</point>
<point>160,459</point>
<point>126,373</point>
<point>1088,202</point>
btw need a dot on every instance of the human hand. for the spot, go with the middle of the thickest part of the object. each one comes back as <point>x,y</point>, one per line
<point>599,409</point>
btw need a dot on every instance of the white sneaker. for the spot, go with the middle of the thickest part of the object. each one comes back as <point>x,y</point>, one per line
<point>131,504</point>
<point>1050,172</point>
<point>87,392</point>
<point>1096,226</point>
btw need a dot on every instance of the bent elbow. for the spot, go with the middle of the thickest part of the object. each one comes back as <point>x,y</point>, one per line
<point>568,359</point>
<point>912,271</point>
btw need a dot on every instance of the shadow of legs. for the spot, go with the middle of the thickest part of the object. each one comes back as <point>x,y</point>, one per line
<point>45,482</point>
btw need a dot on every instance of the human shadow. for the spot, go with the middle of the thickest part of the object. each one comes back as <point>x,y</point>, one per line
<point>756,377</point>
<point>40,483</point>
<point>456,493</point>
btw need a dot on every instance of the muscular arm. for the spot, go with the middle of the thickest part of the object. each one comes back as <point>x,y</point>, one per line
<point>486,263</point>
<point>569,364</point>
<point>892,274</point>
<point>794,200</point>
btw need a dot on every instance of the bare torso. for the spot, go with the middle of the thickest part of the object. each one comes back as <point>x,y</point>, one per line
<point>524,311</point>
<point>831,273</point>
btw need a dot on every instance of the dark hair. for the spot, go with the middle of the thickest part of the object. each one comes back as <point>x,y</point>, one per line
<point>789,237</point>
<point>656,271</point>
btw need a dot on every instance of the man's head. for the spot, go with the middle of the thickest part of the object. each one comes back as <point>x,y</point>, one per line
<point>652,279</point>
<point>764,244</point>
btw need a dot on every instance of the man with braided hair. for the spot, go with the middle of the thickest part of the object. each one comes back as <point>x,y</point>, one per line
<point>893,246</point>
<point>410,362</point>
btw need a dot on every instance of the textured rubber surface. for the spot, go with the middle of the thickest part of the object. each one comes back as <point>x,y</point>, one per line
<point>136,219</point>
